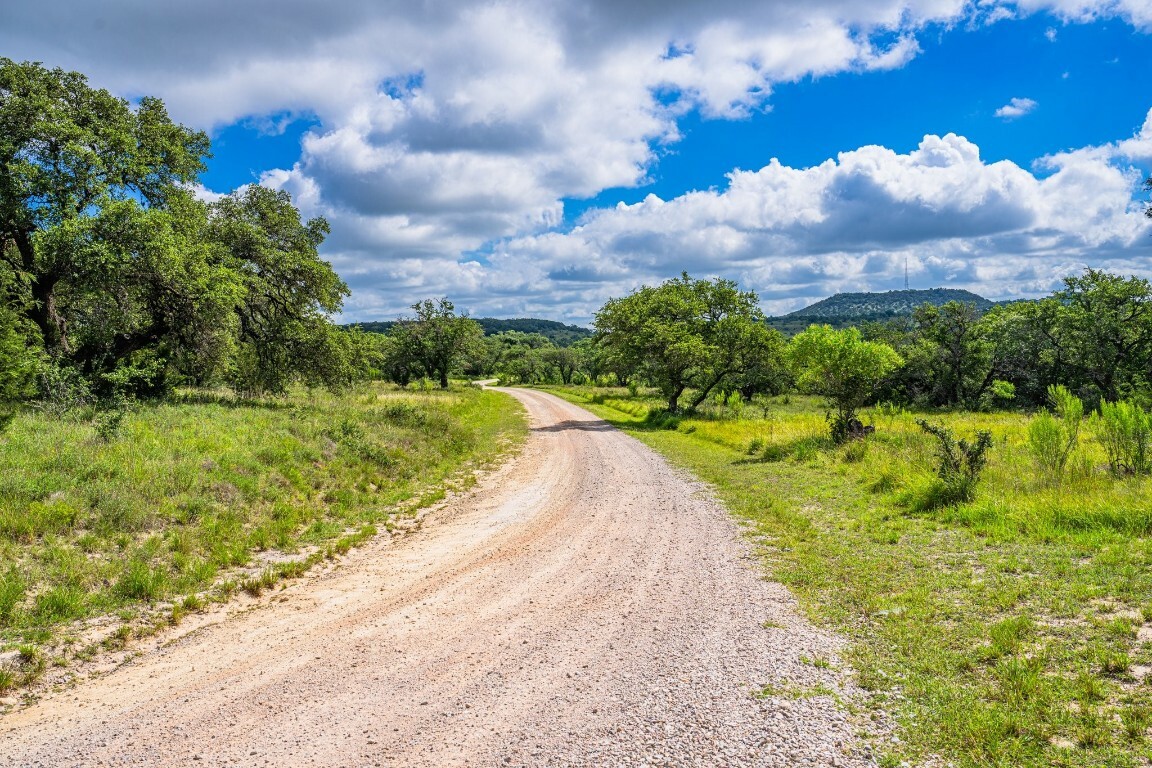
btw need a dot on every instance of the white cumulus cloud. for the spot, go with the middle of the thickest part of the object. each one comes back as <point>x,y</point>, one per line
<point>447,135</point>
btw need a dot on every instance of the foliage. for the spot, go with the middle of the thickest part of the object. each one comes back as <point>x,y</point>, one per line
<point>1104,330</point>
<point>1125,431</point>
<point>94,217</point>
<point>557,333</point>
<point>115,274</point>
<point>1052,439</point>
<point>841,366</point>
<point>284,291</point>
<point>684,334</point>
<point>889,302</point>
<point>959,464</point>
<point>436,338</point>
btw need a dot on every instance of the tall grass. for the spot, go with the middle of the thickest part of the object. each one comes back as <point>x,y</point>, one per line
<point>183,492</point>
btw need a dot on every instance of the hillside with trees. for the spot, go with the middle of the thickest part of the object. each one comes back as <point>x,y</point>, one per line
<point>557,333</point>
<point>851,309</point>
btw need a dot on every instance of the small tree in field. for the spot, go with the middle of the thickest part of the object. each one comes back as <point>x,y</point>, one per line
<point>685,334</point>
<point>841,366</point>
<point>437,337</point>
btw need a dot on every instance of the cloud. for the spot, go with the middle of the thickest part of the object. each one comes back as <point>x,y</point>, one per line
<point>798,234</point>
<point>1016,108</point>
<point>447,134</point>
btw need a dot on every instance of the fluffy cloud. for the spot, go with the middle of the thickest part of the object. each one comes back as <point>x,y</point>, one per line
<point>1016,108</point>
<point>448,134</point>
<point>795,235</point>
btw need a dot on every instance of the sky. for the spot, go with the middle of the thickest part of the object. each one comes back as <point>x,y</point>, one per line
<point>536,158</point>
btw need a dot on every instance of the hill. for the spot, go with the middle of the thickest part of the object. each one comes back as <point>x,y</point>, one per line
<point>887,303</point>
<point>845,309</point>
<point>558,333</point>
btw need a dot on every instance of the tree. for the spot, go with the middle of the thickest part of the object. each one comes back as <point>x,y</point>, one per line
<point>841,366</point>
<point>682,334</point>
<point>437,337</point>
<point>960,356</point>
<point>285,290</point>
<point>398,350</point>
<point>1104,328</point>
<point>80,172</point>
<point>565,360</point>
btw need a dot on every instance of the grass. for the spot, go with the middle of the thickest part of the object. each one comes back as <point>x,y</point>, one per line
<point>159,515</point>
<point>1000,632</point>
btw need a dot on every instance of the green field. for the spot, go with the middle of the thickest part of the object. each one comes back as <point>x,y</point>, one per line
<point>191,500</point>
<point>1010,631</point>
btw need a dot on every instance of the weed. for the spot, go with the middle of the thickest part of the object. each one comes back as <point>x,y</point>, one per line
<point>1052,440</point>
<point>119,638</point>
<point>1125,431</point>
<point>1137,718</point>
<point>11,595</point>
<point>958,465</point>
<point>8,679</point>
<point>141,581</point>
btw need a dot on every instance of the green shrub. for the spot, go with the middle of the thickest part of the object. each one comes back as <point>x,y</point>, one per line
<point>1124,429</point>
<point>1052,440</point>
<point>959,463</point>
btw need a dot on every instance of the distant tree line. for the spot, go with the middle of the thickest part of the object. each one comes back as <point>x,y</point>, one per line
<point>559,334</point>
<point>693,339</point>
<point>117,282</point>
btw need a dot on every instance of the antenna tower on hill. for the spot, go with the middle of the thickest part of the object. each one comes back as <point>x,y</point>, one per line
<point>905,273</point>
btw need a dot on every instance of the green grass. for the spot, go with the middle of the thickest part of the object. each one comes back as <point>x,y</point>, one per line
<point>156,516</point>
<point>1001,632</point>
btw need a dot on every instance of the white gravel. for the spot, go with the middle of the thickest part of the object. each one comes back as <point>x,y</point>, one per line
<point>585,605</point>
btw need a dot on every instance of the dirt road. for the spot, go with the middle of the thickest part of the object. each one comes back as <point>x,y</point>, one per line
<point>584,605</point>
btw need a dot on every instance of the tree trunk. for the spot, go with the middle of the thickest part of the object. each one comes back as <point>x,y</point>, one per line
<point>703,394</point>
<point>443,378</point>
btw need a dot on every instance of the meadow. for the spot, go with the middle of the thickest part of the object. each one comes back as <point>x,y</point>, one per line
<point>144,516</point>
<point>1011,630</point>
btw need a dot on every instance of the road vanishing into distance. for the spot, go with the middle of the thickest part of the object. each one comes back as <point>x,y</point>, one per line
<point>583,605</point>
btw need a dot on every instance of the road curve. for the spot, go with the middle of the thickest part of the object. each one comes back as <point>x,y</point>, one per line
<point>585,605</point>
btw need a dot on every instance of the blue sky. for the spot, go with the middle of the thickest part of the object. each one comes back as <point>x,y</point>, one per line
<point>533,159</point>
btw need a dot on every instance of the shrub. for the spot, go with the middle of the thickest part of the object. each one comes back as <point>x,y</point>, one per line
<point>1052,440</point>
<point>999,394</point>
<point>959,463</point>
<point>1125,431</point>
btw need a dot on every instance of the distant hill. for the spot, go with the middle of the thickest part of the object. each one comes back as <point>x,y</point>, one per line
<point>845,309</point>
<point>887,303</point>
<point>558,333</point>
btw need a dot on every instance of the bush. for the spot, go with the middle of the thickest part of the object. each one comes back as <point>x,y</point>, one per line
<point>1125,431</point>
<point>959,464</point>
<point>1052,440</point>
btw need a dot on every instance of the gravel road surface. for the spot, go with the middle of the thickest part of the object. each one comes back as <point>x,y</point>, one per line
<point>584,605</point>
